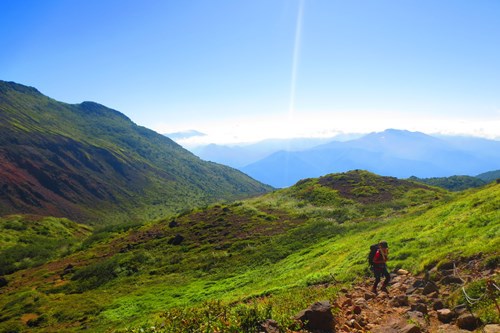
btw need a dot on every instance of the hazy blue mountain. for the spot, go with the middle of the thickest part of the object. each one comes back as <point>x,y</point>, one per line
<point>239,156</point>
<point>394,153</point>
<point>234,156</point>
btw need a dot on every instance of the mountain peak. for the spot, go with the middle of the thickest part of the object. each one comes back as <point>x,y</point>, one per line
<point>396,136</point>
<point>9,85</point>
<point>398,133</point>
<point>100,110</point>
<point>92,164</point>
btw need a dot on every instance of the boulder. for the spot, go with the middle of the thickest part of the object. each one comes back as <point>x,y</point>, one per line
<point>362,320</point>
<point>433,295</point>
<point>410,328</point>
<point>447,272</point>
<point>419,307</point>
<point>318,317</point>
<point>438,305</point>
<point>468,322</point>
<point>397,279</point>
<point>369,296</point>
<point>447,266</point>
<point>400,287</point>
<point>492,328</point>
<point>69,269</point>
<point>411,290</point>
<point>361,302</point>
<point>445,315</point>
<point>418,283</point>
<point>400,300</point>
<point>451,279</point>
<point>124,249</point>
<point>354,324</point>
<point>430,288</point>
<point>449,328</point>
<point>460,309</point>
<point>177,240</point>
<point>402,272</point>
<point>269,326</point>
<point>417,318</point>
<point>347,303</point>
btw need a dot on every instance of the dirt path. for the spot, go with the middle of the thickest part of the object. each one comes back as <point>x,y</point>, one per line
<point>412,305</point>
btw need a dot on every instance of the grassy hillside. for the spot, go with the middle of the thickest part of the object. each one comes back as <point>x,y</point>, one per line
<point>489,176</point>
<point>92,164</point>
<point>30,240</point>
<point>253,259</point>
<point>453,183</point>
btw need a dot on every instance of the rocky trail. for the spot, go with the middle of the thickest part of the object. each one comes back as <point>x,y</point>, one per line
<point>413,304</point>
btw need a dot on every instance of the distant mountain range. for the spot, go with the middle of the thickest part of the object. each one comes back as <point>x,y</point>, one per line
<point>239,156</point>
<point>396,153</point>
<point>91,163</point>
<point>242,155</point>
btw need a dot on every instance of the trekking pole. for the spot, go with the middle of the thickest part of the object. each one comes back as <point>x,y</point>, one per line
<point>491,290</point>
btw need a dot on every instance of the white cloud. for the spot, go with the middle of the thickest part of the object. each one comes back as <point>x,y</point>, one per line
<point>329,124</point>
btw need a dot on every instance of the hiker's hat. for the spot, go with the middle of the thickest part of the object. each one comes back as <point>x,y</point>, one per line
<point>384,244</point>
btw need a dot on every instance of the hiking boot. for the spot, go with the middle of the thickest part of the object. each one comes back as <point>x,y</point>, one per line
<point>374,290</point>
<point>384,289</point>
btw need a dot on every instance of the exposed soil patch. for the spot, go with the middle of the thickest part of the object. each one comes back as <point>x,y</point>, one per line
<point>25,318</point>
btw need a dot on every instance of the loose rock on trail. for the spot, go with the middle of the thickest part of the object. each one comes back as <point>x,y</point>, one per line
<point>412,305</point>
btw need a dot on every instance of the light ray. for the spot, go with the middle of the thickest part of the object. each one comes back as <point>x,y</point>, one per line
<point>295,60</point>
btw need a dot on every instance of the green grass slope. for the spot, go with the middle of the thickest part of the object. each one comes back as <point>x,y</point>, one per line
<point>453,183</point>
<point>92,164</point>
<point>29,240</point>
<point>220,266</point>
<point>489,176</point>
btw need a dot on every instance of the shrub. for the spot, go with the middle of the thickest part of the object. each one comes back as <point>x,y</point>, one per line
<point>94,275</point>
<point>14,225</point>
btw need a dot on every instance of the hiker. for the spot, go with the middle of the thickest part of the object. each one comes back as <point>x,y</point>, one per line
<point>379,266</point>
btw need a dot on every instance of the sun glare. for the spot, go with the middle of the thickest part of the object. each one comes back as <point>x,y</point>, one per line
<point>295,59</point>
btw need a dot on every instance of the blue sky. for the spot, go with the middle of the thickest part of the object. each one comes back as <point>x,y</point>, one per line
<point>247,70</point>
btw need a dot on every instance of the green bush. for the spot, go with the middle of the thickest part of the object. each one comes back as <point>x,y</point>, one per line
<point>364,191</point>
<point>212,316</point>
<point>15,225</point>
<point>94,275</point>
<point>23,256</point>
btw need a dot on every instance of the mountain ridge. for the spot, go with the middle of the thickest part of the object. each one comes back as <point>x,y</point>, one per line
<point>395,153</point>
<point>86,161</point>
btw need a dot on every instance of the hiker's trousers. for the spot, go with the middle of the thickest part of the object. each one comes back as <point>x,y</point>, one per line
<point>379,272</point>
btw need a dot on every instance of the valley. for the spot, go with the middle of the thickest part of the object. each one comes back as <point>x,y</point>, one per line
<point>271,252</point>
<point>107,226</point>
